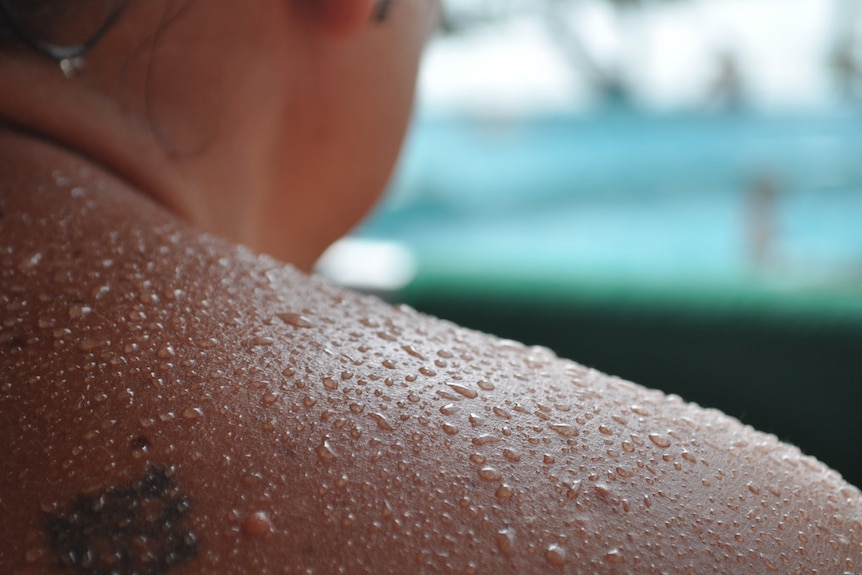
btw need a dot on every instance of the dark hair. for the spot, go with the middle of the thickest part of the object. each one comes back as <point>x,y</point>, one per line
<point>37,25</point>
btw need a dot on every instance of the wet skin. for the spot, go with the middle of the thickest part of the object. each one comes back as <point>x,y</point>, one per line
<point>170,403</point>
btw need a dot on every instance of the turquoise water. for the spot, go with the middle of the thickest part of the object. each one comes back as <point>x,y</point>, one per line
<point>626,197</point>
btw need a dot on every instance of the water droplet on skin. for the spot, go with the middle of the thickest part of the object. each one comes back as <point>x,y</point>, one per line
<point>257,524</point>
<point>148,298</point>
<point>79,311</point>
<point>615,557</point>
<point>137,316</point>
<point>688,457</point>
<point>502,413</point>
<point>325,452</point>
<point>388,364</point>
<point>140,446</point>
<point>192,413</point>
<point>477,458</point>
<point>382,422</point>
<point>295,319</point>
<point>166,351</point>
<point>574,489</point>
<point>427,372</point>
<point>207,343</point>
<point>504,492</point>
<point>511,455</point>
<point>270,398</point>
<point>624,473</point>
<point>412,351</point>
<point>660,440</point>
<point>555,555</point>
<point>485,439</point>
<point>449,429</point>
<point>485,385</point>
<point>463,390</point>
<point>489,474</point>
<point>549,459</point>
<point>261,341</point>
<point>330,384</point>
<point>90,344</point>
<point>604,492</point>
<point>754,488</point>
<point>450,409</point>
<point>564,429</point>
<point>506,541</point>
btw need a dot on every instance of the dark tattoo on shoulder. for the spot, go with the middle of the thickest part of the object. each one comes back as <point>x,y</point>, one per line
<point>136,529</point>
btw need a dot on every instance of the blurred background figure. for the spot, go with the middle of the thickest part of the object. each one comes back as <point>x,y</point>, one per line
<point>666,190</point>
<point>846,52</point>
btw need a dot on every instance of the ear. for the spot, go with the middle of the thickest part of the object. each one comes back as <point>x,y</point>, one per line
<point>341,18</point>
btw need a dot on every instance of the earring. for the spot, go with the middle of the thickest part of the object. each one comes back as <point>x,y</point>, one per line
<point>71,67</point>
<point>70,58</point>
<point>382,11</point>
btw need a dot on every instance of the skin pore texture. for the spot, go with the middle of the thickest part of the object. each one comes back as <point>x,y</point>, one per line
<point>171,403</point>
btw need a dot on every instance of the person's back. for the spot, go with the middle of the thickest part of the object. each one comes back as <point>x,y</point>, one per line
<point>173,403</point>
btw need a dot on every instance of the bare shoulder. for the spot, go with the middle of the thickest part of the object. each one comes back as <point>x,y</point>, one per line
<point>171,403</point>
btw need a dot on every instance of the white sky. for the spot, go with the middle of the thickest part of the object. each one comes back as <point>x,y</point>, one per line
<point>668,54</point>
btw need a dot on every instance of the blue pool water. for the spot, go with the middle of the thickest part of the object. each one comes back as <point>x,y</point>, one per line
<point>627,197</point>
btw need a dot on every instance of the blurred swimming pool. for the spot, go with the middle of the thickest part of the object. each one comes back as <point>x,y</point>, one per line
<point>732,200</point>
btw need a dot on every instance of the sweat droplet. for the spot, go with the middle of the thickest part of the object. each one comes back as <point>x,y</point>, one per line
<point>412,351</point>
<point>257,524</point>
<point>330,384</point>
<point>166,351</point>
<point>463,390</point>
<point>485,439</point>
<point>506,541</point>
<point>295,319</point>
<point>660,440</point>
<point>564,429</point>
<point>574,489</point>
<point>192,413</point>
<point>325,452</point>
<point>79,311</point>
<point>382,422</point>
<point>489,474</point>
<point>270,397</point>
<point>504,492</point>
<point>450,409</point>
<point>555,555</point>
<point>615,557</point>
<point>511,455</point>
